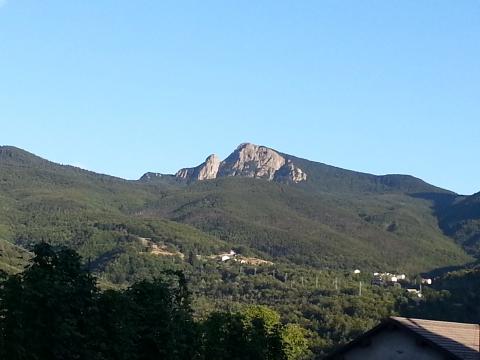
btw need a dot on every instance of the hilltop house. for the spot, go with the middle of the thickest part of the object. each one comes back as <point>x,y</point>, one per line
<point>399,338</point>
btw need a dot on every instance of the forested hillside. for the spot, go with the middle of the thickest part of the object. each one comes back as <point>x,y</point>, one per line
<point>454,296</point>
<point>375,227</point>
<point>461,221</point>
<point>296,244</point>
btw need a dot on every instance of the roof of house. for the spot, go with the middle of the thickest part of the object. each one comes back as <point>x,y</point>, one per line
<point>456,340</point>
<point>460,339</point>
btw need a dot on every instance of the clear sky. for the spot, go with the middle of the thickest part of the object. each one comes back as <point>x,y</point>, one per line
<point>125,87</point>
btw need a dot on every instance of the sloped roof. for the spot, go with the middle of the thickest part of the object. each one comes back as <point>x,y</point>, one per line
<point>459,339</point>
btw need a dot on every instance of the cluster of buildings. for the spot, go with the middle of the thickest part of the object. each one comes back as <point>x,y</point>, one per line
<point>400,280</point>
<point>385,279</point>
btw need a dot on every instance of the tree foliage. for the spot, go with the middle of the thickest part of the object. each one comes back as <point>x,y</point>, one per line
<point>54,310</point>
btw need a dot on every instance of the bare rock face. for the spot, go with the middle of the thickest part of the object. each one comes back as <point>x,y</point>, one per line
<point>186,173</point>
<point>205,171</point>
<point>290,173</point>
<point>248,160</point>
<point>210,168</point>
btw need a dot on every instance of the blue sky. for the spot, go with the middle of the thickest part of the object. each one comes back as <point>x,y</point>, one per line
<point>125,87</point>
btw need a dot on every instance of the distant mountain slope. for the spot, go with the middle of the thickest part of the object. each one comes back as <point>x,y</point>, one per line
<point>392,231</point>
<point>333,179</point>
<point>98,215</point>
<point>461,220</point>
<point>332,218</point>
<point>27,178</point>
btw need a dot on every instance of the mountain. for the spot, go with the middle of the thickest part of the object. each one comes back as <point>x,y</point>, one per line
<point>296,242</point>
<point>260,162</point>
<point>325,217</point>
<point>248,160</point>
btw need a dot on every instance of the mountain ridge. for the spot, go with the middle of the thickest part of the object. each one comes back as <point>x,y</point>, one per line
<point>335,218</point>
<point>10,153</point>
<point>269,164</point>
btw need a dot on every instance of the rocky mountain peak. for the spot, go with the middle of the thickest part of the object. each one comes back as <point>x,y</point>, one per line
<point>248,160</point>
<point>251,160</point>
<point>243,145</point>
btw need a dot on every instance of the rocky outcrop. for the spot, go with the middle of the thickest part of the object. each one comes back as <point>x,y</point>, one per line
<point>248,160</point>
<point>205,171</point>
<point>290,173</point>
<point>210,168</point>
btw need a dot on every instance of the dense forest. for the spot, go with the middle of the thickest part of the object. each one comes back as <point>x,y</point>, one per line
<point>54,310</point>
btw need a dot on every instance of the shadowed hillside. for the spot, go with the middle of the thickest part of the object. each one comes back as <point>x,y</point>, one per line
<point>461,221</point>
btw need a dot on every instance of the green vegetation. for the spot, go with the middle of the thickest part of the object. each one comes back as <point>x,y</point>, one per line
<point>54,310</point>
<point>461,220</point>
<point>324,230</point>
<point>454,297</point>
<point>371,223</point>
<point>130,234</point>
<point>12,257</point>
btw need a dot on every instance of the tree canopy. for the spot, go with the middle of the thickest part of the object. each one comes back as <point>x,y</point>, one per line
<point>55,310</point>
